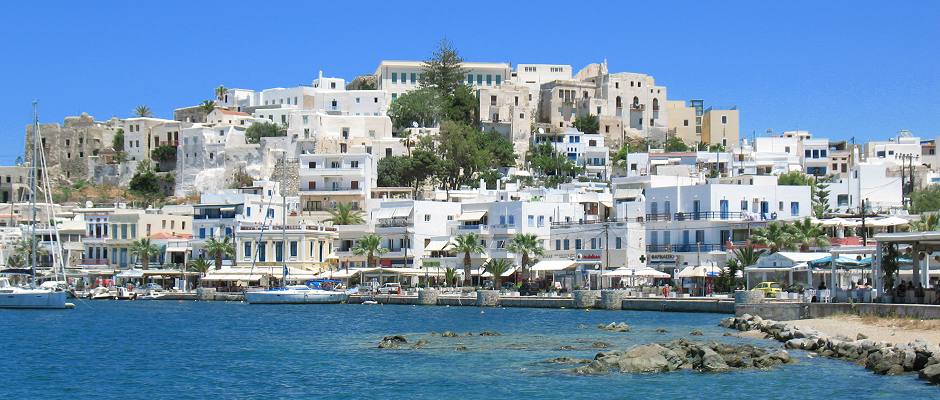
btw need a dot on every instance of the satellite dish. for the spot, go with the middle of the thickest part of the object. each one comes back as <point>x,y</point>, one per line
<point>414,124</point>
<point>541,131</point>
<point>89,204</point>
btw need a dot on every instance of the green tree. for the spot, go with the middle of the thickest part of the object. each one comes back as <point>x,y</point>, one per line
<point>526,245</point>
<point>207,106</point>
<point>443,71</point>
<point>497,267</point>
<point>820,194</point>
<point>889,264</point>
<point>256,131</point>
<point>145,182</point>
<point>117,143</point>
<point>794,178</point>
<point>746,256</point>
<point>220,249</point>
<point>164,153</point>
<point>370,246</point>
<point>24,249</point>
<point>201,266</point>
<point>775,235</point>
<point>450,277</point>
<point>16,261</point>
<point>926,199</point>
<point>422,105</point>
<point>464,152</point>
<point>927,223</point>
<point>587,123</point>
<point>805,234</point>
<point>674,144</point>
<point>143,111</point>
<point>241,179</point>
<point>467,244</point>
<point>344,214</point>
<point>552,165</point>
<point>463,106</point>
<point>220,92</point>
<point>144,251</point>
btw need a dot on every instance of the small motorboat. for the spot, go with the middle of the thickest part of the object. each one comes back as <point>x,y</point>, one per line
<point>100,293</point>
<point>320,291</point>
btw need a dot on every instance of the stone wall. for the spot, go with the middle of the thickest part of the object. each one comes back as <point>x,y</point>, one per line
<point>69,147</point>
<point>287,173</point>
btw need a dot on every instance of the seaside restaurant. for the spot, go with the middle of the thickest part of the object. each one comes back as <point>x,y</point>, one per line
<point>918,250</point>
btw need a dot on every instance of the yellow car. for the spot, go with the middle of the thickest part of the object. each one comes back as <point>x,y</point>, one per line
<point>770,289</point>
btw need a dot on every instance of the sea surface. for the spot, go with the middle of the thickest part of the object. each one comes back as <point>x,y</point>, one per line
<point>197,350</point>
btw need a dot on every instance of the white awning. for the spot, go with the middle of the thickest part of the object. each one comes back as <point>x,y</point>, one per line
<point>483,273</point>
<point>652,273</point>
<point>437,245</point>
<point>472,215</point>
<point>400,212</point>
<point>699,272</point>
<point>554,265</point>
<point>131,273</point>
<point>233,277</point>
<point>383,213</point>
<point>889,221</point>
<point>606,203</point>
<point>621,272</point>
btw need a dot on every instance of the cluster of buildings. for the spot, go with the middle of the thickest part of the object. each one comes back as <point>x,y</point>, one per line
<point>653,208</point>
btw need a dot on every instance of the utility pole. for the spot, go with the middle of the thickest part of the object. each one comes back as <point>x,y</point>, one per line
<point>864,230</point>
<point>606,263</point>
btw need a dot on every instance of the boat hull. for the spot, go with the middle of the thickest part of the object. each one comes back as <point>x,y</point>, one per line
<point>33,298</point>
<point>295,297</point>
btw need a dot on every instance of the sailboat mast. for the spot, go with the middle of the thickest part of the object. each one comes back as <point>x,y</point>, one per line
<point>283,233</point>
<point>32,183</point>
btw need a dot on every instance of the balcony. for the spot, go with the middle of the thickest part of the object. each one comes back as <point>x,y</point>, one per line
<point>324,171</point>
<point>503,229</point>
<point>331,190</point>
<point>94,262</point>
<point>684,248</point>
<point>708,215</point>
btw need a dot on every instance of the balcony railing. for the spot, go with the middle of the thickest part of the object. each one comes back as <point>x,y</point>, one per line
<point>708,215</point>
<point>94,261</point>
<point>684,248</point>
<point>393,223</point>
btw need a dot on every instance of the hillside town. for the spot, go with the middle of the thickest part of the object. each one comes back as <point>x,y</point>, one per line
<point>449,172</point>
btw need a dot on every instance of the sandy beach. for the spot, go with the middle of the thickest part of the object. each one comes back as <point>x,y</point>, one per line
<point>891,330</point>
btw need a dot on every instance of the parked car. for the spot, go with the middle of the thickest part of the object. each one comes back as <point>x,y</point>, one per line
<point>770,289</point>
<point>390,288</point>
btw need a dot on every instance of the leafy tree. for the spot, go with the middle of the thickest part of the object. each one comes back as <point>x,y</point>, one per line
<point>463,106</point>
<point>393,171</point>
<point>344,214</point>
<point>117,143</point>
<point>241,179</point>
<point>467,244</point>
<point>263,129</point>
<point>145,182</point>
<point>805,234</point>
<point>499,149</point>
<point>450,276</point>
<point>497,267</point>
<point>526,245</point>
<point>144,251</point>
<point>587,123</point>
<point>422,105</point>
<point>16,261</point>
<point>794,178</point>
<point>747,256</point>
<point>443,71</point>
<point>727,280</point>
<point>926,199</point>
<point>775,235</point>
<point>889,264</point>
<point>551,164</point>
<point>24,250</point>
<point>220,249</point>
<point>143,111</point>
<point>464,152</point>
<point>207,106</point>
<point>164,153</point>
<point>820,192</point>
<point>674,144</point>
<point>716,148</point>
<point>926,223</point>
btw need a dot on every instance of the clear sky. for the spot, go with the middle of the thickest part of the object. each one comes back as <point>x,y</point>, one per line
<point>837,68</point>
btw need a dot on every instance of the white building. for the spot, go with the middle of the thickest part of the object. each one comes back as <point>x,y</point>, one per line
<point>399,77</point>
<point>586,150</point>
<point>327,180</point>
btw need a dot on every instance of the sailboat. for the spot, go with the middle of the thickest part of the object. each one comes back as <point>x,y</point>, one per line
<point>34,297</point>
<point>321,291</point>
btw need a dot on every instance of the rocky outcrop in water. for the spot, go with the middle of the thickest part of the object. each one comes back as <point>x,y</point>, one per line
<point>392,342</point>
<point>615,327</point>
<point>880,357</point>
<point>684,355</point>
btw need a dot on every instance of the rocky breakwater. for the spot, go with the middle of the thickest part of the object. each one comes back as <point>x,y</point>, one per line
<point>880,357</point>
<point>681,354</point>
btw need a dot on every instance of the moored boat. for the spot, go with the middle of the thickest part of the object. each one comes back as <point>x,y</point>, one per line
<point>314,292</point>
<point>20,297</point>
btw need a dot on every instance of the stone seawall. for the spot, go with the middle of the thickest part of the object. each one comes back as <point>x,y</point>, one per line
<point>789,311</point>
<point>595,299</point>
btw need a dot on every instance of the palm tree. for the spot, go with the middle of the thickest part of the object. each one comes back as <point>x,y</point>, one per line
<point>207,106</point>
<point>467,244</point>
<point>143,250</point>
<point>220,92</point>
<point>927,223</point>
<point>746,256</point>
<point>370,246</point>
<point>525,244</point>
<point>24,249</point>
<point>344,214</point>
<point>806,234</point>
<point>200,265</point>
<point>220,249</point>
<point>497,267</point>
<point>775,235</point>
<point>16,261</point>
<point>450,276</point>
<point>143,111</point>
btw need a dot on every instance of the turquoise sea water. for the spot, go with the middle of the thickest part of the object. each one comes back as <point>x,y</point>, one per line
<point>194,350</point>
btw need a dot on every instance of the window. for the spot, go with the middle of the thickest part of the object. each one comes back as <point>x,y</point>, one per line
<point>565,242</point>
<point>492,100</point>
<point>577,244</point>
<point>262,251</point>
<point>541,220</point>
<point>479,79</point>
<point>293,248</point>
<point>202,233</point>
<point>617,242</point>
<point>593,244</point>
<point>270,213</point>
<point>414,77</point>
<point>278,251</point>
<point>469,79</point>
<point>312,164</point>
<point>724,119</point>
<point>427,217</point>
<point>794,208</point>
<point>531,220</point>
<point>354,164</point>
<point>557,244</point>
<point>743,205</point>
<point>499,79</point>
<point>489,80</point>
<point>807,153</point>
<point>247,252</point>
<point>394,77</point>
<point>685,122</point>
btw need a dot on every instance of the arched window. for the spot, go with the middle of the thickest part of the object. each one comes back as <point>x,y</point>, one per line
<point>619,102</point>
<point>636,101</point>
<point>655,104</point>
<point>585,94</point>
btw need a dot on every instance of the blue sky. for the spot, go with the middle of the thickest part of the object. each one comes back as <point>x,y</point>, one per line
<point>837,68</point>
